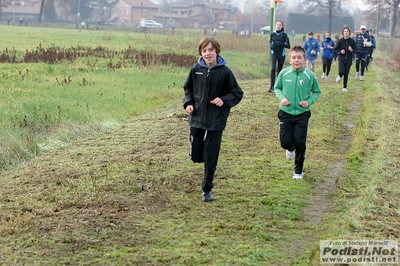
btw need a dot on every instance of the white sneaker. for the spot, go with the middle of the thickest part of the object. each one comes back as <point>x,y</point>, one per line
<point>338,79</point>
<point>298,176</point>
<point>344,90</point>
<point>361,78</point>
<point>356,75</point>
<point>326,77</point>
<point>289,155</point>
<point>323,75</point>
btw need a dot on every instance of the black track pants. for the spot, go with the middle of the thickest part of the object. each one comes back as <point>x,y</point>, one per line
<point>361,58</point>
<point>205,147</point>
<point>276,60</point>
<point>293,135</point>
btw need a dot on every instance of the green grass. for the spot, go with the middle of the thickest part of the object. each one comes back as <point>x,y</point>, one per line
<point>40,103</point>
<point>114,186</point>
<point>364,207</point>
<point>40,100</point>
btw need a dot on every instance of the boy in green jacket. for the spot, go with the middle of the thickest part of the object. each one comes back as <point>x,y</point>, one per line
<point>297,89</point>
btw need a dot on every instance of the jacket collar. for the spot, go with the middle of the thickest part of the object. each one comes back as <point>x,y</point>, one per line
<point>220,62</point>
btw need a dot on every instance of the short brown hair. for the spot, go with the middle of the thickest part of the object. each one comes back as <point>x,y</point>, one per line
<point>298,48</point>
<point>214,43</point>
<point>311,33</point>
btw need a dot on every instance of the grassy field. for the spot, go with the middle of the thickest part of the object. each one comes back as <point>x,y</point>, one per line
<point>120,190</point>
<point>102,78</point>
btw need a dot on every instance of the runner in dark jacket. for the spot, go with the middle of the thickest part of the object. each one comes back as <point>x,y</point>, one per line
<point>363,44</point>
<point>210,91</point>
<point>345,48</point>
<point>278,41</point>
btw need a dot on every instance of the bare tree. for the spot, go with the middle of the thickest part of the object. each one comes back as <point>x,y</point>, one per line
<point>382,9</point>
<point>239,19</point>
<point>41,11</point>
<point>330,8</point>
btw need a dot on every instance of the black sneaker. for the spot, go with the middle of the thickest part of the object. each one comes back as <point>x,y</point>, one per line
<point>207,196</point>
<point>272,89</point>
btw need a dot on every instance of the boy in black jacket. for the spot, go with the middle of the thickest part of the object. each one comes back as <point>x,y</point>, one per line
<point>210,91</point>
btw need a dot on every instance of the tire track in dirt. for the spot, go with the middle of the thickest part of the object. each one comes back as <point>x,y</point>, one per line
<point>320,203</point>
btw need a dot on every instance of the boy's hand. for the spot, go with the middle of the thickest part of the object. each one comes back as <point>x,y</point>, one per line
<point>304,104</point>
<point>189,109</point>
<point>217,101</point>
<point>285,102</point>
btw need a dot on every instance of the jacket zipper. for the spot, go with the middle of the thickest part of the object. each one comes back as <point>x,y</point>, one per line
<point>206,98</point>
<point>296,86</point>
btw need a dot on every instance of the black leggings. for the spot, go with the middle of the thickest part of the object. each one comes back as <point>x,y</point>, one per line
<point>326,65</point>
<point>344,69</point>
<point>275,70</point>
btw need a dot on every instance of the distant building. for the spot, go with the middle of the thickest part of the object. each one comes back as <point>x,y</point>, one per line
<point>27,10</point>
<point>193,15</point>
<point>203,14</point>
<point>132,11</point>
<point>197,14</point>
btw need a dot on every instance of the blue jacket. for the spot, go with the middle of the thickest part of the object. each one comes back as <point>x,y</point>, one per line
<point>373,40</point>
<point>328,52</point>
<point>312,48</point>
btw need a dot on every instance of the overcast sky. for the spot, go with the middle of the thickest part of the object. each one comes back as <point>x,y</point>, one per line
<point>355,3</point>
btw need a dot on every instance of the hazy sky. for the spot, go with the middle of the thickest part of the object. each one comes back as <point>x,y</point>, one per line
<point>355,3</point>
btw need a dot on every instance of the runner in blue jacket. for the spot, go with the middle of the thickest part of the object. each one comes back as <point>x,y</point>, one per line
<point>327,54</point>
<point>312,51</point>
<point>371,49</point>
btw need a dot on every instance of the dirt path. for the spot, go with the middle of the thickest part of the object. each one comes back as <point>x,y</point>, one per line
<point>138,178</point>
<point>320,204</point>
